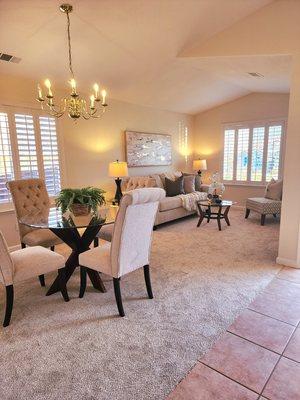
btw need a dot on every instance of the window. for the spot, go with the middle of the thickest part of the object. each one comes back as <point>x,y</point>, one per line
<point>253,152</point>
<point>29,148</point>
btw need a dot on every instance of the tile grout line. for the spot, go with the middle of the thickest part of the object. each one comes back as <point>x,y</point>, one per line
<point>281,356</point>
<point>258,312</point>
<point>228,377</point>
<point>259,345</point>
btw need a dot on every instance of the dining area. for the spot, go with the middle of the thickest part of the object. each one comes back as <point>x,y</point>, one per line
<point>44,226</point>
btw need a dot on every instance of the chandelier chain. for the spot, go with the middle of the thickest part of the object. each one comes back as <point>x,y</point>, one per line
<point>69,46</point>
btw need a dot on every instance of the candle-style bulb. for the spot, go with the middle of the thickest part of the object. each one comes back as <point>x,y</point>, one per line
<point>92,98</point>
<point>96,89</point>
<point>103,94</point>
<point>48,86</point>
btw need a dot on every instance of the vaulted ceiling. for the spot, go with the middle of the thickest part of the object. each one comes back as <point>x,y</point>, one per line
<point>142,51</point>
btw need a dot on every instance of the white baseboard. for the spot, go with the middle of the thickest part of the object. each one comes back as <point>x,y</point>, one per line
<point>287,262</point>
<point>13,248</point>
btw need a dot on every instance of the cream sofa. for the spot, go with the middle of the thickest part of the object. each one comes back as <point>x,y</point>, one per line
<point>170,208</point>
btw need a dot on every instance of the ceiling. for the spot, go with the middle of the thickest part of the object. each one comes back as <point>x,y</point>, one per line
<point>133,48</point>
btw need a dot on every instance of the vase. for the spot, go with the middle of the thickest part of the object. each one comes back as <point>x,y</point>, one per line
<point>80,209</point>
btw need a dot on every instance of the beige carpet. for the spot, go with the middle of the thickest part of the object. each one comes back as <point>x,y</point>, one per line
<point>202,279</point>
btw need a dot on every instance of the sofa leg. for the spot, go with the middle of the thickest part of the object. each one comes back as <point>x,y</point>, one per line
<point>247,213</point>
<point>155,227</point>
<point>42,280</point>
<point>275,215</point>
<point>96,242</point>
<point>262,219</point>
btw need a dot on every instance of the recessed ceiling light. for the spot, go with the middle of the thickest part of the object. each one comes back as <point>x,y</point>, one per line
<point>255,74</point>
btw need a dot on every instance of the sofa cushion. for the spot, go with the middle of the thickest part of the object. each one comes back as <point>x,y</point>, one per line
<point>263,205</point>
<point>274,190</point>
<point>158,180</point>
<point>170,203</point>
<point>189,183</point>
<point>138,182</point>
<point>174,188</point>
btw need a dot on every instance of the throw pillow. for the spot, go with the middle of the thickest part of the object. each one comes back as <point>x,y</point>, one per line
<point>189,183</point>
<point>157,180</point>
<point>274,190</point>
<point>174,188</point>
<point>198,181</point>
<point>170,175</point>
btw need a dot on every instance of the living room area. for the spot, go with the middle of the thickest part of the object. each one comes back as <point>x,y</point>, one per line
<point>149,212</point>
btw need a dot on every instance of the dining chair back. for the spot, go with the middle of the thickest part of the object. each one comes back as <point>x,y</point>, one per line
<point>133,228</point>
<point>29,195</point>
<point>131,242</point>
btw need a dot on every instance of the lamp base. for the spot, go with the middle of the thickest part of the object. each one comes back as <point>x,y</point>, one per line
<point>199,172</point>
<point>118,194</point>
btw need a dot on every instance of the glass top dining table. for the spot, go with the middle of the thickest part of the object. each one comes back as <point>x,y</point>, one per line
<point>66,226</point>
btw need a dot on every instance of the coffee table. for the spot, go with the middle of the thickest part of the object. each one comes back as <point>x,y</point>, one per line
<point>211,210</point>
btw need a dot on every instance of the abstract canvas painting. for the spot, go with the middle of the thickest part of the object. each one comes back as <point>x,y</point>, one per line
<point>148,149</point>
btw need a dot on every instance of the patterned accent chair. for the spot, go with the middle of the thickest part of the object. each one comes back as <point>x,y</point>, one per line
<point>29,195</point>
<point>131,242</point>
<point>263,206</point>
<point>24,264</point>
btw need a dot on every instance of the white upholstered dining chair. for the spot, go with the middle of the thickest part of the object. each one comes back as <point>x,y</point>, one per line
<point>30,195</point>
<point>24,264</point>
<point>131,242</point>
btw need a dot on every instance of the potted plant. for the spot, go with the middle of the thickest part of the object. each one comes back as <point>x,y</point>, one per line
<point>80,201</point>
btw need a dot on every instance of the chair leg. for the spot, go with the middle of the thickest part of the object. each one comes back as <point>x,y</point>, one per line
<point>118,296</point>
<point>62,284</point>
<point>9,304</point>
<point>247,213</point>
<point>96,242</point>
<point>148,281</point>
<point>82,281</point>
<point>262,219</point>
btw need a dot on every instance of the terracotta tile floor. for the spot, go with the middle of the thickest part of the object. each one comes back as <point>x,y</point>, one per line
<point>258,358</point>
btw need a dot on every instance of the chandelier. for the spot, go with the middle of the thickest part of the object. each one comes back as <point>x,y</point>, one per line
<point>73,105</point>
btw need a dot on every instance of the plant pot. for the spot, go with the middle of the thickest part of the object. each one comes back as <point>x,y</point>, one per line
<point>80,209</point>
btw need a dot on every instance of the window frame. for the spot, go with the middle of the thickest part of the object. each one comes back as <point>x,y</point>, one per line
<point>251,125</point>
<point>35,113</point>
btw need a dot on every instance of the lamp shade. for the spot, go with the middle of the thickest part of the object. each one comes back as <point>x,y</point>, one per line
<point>118,169</point>
<point>200,165</point>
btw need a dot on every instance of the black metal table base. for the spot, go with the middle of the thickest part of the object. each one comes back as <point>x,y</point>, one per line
<point>208,214</point>
<point>78,244</point>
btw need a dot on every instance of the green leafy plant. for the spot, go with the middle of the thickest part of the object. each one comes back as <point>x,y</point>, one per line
<point>89,196</point>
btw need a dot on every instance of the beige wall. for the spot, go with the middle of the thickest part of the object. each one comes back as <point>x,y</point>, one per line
<point>208,134</point>
<point>90,145</point>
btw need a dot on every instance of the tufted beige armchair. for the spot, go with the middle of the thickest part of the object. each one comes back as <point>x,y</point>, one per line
<point>29,195</point>
<point>24,264</point>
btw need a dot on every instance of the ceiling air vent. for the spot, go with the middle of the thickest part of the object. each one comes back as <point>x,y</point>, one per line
<point>256,74</point>
<point>9,58</point>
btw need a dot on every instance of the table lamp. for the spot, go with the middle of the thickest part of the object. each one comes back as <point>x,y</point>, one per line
<point>118,169</point>
<point>199,166</point>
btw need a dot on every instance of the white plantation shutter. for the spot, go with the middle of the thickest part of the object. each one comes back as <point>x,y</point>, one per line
<point>242,155</point>
<point>6,159</point>
<point>28,160</point>
<point>229,141</point>
<point>29,148</point>
<point>50,154</point>
<point>258,140</point>
<point>274,149</point>
<point>252,153</point>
